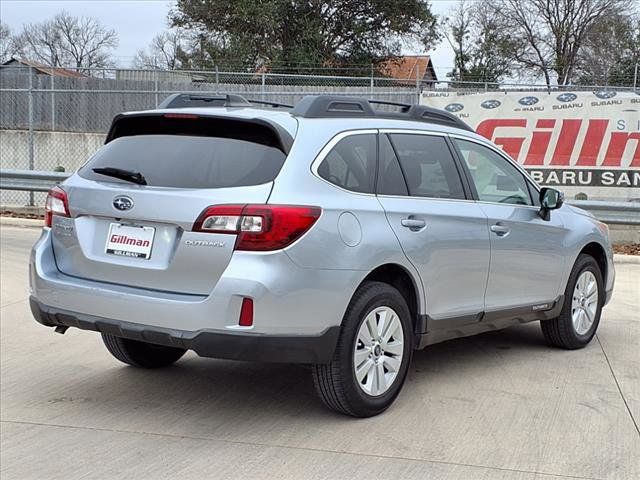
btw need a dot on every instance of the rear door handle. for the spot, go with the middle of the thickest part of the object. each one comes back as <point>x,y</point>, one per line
<point>500,230</point>
<point>413,224</point>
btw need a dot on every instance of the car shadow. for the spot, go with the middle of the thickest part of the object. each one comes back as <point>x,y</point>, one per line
<point>197,390</point>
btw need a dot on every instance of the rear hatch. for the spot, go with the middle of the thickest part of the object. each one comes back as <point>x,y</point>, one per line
<point>134,203</point>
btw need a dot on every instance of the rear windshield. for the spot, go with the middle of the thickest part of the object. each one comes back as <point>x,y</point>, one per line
<point>189,161</point>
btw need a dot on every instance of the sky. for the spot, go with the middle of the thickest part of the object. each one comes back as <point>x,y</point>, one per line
<point>137,21</point>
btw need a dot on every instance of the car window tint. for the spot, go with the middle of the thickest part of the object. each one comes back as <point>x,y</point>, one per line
<point>198,152</point>
<point>351,164</point>
<point>428,166</point>
<point>495,178</point>
<point>390,178</point>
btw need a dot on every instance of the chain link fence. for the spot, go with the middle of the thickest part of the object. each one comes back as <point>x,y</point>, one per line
<point>54,119</point>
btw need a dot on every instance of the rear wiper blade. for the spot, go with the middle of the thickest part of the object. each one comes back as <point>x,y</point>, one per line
<point>128,175</point>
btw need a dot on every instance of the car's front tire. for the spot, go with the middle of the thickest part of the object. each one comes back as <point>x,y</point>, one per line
<point>372,356</point>
<point>141,354</point>
<point>580,315</point>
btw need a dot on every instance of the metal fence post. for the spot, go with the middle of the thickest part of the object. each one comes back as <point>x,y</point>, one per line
<point>417,87</point>
<point>217,80</point>
<point>30,132</point>
<point>371,83</point>
<point>262,87</point>
<point>635,78</point>
<point>53,104</point>
<point>155,86</point>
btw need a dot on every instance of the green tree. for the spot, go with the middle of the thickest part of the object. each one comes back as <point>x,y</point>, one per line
<point>299,35</point>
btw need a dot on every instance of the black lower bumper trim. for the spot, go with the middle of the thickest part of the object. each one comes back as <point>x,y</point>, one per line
<point>206,343</point>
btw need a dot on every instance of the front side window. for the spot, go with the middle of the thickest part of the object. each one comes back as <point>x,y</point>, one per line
<point>351,164</point>
<point>495,178</point>
<point>428,166</point>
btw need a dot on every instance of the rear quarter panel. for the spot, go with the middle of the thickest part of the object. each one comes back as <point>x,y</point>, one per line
<point>352,232</point>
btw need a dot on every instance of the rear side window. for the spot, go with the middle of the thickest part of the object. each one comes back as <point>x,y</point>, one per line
<point>428,166</point>
<point>351,164</point>
<point>192,156</point>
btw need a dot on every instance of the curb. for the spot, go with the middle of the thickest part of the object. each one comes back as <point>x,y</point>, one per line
<point>21,222</point>
<point>619,258</point>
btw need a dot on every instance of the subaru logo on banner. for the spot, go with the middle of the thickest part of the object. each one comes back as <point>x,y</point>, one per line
<point>605,94</point>
<point>489,104</point>
<point>528,101</point>
<point>122,202</point>
<point>566,97</point>
<point>454,107</point>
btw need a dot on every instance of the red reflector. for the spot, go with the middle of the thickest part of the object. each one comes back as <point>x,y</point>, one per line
<point>181,115</point>
<point>246,313</point>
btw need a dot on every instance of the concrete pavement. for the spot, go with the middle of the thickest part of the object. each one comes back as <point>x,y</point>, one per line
<point>497,406</point>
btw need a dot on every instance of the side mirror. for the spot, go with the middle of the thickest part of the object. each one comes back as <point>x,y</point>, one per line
<point>550,199</point>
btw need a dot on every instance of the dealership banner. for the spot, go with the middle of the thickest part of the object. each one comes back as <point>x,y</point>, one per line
<point>580,141</point>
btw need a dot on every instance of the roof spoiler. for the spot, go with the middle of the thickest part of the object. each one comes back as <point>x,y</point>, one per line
<point>229,100</point>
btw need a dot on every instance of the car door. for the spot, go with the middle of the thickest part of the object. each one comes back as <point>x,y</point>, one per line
<point>442,232</point>
<point>526,251</point>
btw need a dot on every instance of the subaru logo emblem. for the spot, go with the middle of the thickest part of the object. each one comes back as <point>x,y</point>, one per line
<point>490,104</point>
<point>567,97</point>
<point>605,94</point>
<point>527,101</point>
<point>122,202</point>
<point>454,107</point>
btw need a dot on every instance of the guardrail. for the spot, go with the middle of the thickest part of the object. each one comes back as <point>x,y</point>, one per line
<point>614,213</point>
<point>29,180</point>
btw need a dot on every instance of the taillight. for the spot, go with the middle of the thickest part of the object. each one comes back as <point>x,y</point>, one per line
<point>56,204</point>
<point>259,227</point>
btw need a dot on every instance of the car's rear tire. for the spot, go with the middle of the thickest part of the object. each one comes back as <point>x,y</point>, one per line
<point>380,360</point>
<point>141,354</point>
<point>580,315</point>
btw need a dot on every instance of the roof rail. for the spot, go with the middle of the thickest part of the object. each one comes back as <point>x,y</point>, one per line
<point>269,104</point>
<point>181,100</point>
<point>328,106</point>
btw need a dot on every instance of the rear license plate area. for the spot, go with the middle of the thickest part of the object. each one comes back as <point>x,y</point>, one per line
<point>130,241</point>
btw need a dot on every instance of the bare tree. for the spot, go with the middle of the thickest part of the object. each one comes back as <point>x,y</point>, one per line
<point>549,34</point>
<point>611,51</point>
<point>8,47</point>
<point>481,44</point>
<point>68,41</point>
<point>457,31</point>
<point>164,51</point>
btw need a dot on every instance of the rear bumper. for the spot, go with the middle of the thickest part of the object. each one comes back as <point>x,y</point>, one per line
<point>206,343</point>
<point>288,300</point>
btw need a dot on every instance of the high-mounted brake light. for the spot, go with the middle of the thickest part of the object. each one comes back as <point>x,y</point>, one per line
<point>56,204</point>
<point>189,116</point>
<point>258,227</point>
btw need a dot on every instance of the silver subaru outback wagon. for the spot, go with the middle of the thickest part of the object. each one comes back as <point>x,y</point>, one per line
<point>339,233</point>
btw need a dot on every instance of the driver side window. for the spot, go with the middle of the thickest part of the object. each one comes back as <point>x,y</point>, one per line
<point>496,180</point>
